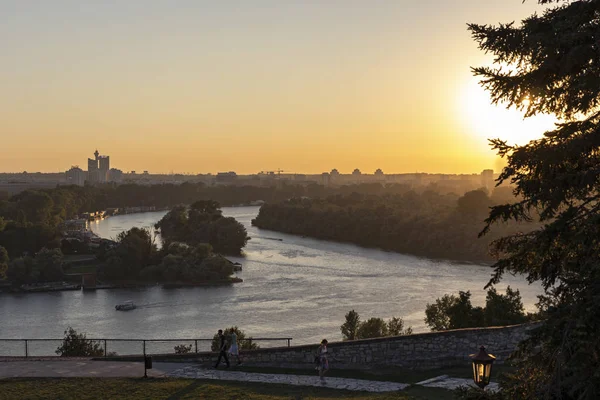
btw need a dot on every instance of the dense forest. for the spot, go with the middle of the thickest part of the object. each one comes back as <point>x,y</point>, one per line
<point>428,224</point>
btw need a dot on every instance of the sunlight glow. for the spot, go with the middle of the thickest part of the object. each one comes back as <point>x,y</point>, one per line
<point>489,121</point>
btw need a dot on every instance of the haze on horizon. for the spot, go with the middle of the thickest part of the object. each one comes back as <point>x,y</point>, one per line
<point>195,86</point>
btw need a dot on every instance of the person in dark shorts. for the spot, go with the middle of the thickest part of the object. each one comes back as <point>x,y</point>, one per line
<point>222,350</point>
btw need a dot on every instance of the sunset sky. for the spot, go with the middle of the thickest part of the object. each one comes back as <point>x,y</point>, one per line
<point>205,86</point>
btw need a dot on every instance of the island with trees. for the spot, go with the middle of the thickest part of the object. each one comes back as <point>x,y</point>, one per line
<point>193,240</point>
<point>427,224</point>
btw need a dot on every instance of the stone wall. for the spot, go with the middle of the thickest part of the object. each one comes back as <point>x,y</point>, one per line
<point>422,350</point>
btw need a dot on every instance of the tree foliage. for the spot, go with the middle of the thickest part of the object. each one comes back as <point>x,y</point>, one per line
<point>77,345</point>
<point>457,312</point>
<point>350,327</point>
<point>3,263</point>
<point>554,65</point>
<point>354,329</point>
<point>203,222</point>
<point>136,257</point>
<point>427,224</point>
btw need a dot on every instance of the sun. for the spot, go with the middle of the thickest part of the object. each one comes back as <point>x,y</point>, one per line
<point>488,121</point>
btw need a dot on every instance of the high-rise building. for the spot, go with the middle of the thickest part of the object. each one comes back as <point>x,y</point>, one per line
<point>98,168</point>
<point>75,176</point>
<point>103,168</point>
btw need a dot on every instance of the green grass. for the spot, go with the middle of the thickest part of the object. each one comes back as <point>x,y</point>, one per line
<point>402,375</point>
<point>174,389</point>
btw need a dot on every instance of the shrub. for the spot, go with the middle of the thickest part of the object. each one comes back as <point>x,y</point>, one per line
<point>77,345</point>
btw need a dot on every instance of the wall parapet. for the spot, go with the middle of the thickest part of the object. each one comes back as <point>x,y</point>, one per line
<point>418,351</point>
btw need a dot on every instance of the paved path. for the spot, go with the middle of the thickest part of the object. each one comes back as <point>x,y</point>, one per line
<point>196,372</point>
<point>82,368</point>
<point>120,369</point>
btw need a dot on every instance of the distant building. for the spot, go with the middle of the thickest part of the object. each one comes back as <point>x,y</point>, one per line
<point>75,176</point>
<point>103,168</point>
<point>98,168</point>
<point>487,178</point>
<point>115,175</point>
<point>226,177</point>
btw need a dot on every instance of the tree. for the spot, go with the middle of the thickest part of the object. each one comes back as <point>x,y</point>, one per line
<point>350,327</point>
<point>504,309</point>
<point>437,315</point>
<point>49,263</point>
<point>456,312</point>
<point>241,337</point>
<point>21,270</point>
<point>77,345</point>
<point>453,312</point>
<point>354,329</point>
<point>396,327</point>
<point>3,263</point>
<point>203,222</point>
<point>372,328</point>
<point>475,203</point>
<point>554,69</point>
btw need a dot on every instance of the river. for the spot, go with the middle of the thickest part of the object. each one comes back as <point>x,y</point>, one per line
<point>293,287</point>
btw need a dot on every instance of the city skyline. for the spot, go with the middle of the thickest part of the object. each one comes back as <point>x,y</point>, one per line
<point>200,87</point>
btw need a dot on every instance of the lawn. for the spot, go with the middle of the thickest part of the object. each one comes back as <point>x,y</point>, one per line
<point>393,374</point>
<point>173,389</point>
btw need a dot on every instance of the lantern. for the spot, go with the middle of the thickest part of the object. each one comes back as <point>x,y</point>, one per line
<point>482,367</point>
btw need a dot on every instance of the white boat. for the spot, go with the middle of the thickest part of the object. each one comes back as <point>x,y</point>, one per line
<point>126,306</point>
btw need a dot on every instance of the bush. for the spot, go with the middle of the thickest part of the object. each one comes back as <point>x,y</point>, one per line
<point>183,349</point>
<point>241,335</point>
<point>77,345</point>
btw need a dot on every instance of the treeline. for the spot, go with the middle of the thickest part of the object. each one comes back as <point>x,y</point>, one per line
<point>30,220</point>
<point>451,312</point>
<point>135,258</point>
<point>427,224</point>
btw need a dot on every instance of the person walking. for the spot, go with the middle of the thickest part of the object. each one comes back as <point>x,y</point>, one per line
<point>234,348</point>
<point>323,366</point>
<point>222,350</point>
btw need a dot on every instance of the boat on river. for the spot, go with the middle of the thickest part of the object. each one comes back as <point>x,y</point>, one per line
<point>126,306</point>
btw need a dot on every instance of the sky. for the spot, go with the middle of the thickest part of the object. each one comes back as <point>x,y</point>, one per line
<point>193,86</point>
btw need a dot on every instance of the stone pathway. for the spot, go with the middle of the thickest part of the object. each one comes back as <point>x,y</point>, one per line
<point>83,368</point>
<point>120,369</point>
<point>195,372</point>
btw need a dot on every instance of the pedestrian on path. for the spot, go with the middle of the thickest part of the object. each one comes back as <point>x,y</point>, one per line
<point>323,366</point>
<point>234,348</point>
<point>222,350</point>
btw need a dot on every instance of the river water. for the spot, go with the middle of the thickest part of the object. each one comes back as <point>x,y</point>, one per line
<point>293,287</point>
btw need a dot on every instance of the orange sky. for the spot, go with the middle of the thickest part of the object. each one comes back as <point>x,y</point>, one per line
<point>191,86</point>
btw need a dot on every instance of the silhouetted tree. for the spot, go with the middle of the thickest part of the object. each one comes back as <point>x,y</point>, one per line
<point>77,345</point>
<point>350,327</point>
<point>3,263</point>
<point>554,67</point>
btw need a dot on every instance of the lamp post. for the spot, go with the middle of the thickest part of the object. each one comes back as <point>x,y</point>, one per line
<point>482,367</point>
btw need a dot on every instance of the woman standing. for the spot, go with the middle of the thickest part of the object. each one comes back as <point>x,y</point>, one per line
<point>323,362</point>
<point>234,349</point>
